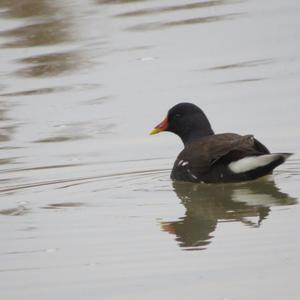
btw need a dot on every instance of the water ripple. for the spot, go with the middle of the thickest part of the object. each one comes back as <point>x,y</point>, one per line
<point>172,8</point>
<point>191,21</point>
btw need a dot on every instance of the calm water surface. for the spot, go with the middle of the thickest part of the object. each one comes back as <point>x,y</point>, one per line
<point>87,209</point>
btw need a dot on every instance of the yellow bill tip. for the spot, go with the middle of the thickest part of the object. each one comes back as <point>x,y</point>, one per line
<point>155,131</point>
<point>162,126</point>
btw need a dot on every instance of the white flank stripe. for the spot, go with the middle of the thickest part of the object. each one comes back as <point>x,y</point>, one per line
<point>180,162</point>
<point>252,162</point>
<point>191,174</point>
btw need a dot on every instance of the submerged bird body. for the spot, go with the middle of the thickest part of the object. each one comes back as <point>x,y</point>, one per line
<point>211,158</point>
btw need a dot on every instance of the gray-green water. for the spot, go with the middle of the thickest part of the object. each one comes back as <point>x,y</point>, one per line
<point>87,209</point>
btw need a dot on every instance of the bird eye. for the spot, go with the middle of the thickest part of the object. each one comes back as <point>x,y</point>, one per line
<point>177,116</point>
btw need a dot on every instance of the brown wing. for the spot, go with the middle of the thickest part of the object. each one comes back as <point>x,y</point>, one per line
<point>202,154</point>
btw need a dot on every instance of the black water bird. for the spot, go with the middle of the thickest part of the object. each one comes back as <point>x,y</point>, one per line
<point>212,158</point>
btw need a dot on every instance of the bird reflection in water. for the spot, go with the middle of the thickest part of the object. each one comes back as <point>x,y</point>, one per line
<point>209,204</point>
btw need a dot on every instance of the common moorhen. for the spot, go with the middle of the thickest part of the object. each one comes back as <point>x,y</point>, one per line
<point>212,158</point>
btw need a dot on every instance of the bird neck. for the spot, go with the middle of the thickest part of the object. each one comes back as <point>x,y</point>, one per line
<point>195,135</point>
